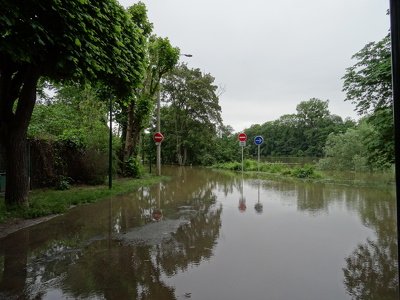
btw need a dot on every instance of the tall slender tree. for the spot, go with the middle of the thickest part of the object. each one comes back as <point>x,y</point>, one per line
<point>193,113</point>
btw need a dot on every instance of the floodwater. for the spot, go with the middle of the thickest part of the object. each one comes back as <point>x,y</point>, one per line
<point>212,235</point>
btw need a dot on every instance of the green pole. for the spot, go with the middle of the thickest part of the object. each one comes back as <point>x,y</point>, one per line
<point>110,150</point>
<point>150,148</point>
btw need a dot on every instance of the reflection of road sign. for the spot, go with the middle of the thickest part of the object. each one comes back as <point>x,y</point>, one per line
<point>158,137</point>
<point>157,215</point>
<point>258,140</point>
<point>242,143</point>
<point>242,137</point>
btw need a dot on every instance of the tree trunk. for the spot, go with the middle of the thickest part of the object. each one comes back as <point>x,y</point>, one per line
<point>16,155</point>
<point>14,86</point>
<point>184,156</point>
<point>137,129</point>
<point>129,132</point>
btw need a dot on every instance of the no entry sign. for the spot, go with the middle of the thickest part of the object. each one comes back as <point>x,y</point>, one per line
<point>242,137</point>
<point>158,137</point>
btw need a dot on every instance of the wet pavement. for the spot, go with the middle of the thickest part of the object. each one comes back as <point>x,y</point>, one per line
<point>211,235</point>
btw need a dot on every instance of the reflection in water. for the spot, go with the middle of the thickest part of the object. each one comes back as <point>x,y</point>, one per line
<point>258,207</point>
<point>371,269</point>
<point>157,212</point>
<point>182,239</point>
<point>242,200</point>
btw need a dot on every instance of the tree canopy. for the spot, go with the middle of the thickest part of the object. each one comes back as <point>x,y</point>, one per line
<point>368,83</point>
<point>191,116</point>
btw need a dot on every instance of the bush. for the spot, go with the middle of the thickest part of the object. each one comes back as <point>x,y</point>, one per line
<point>307,171</point>
<point>63,183</point>
<point>133,168</point>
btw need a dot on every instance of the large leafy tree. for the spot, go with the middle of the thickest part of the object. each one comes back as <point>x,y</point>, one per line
<point>368,84</point>
<point>190,121</point>
<point>62,40</point>
<point>162,58</point>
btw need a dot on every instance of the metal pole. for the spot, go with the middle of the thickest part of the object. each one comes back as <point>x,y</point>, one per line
<point>158,130</point>
<point>242,160</point>
<point>110,150</point>
<point>258,158</point>
<point>395,39</point>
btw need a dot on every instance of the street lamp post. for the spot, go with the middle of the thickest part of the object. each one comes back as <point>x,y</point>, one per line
<point>158,166</point>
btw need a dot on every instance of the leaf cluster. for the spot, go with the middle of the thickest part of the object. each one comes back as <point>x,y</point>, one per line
<point>73,40</point>
<point>368,83</point>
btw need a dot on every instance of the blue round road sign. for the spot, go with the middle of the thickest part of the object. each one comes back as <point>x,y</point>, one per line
<point>258,140</point>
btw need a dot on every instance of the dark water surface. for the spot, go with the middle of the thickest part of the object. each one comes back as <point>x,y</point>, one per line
<point>218,236</point>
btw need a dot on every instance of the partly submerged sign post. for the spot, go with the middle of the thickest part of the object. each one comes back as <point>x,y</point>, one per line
<point>258,140</point>
<point>158,137</point>
<point>242,143</point>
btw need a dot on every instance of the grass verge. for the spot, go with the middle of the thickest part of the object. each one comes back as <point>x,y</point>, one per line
<point>44,202</point>
<point>306,171</point>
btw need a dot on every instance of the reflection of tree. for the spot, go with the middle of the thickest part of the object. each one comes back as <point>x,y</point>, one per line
<point>311,198</point>
<point>14,272</point>
<point>192,243</point>
<point>371,272</point>
<point>113,271</point>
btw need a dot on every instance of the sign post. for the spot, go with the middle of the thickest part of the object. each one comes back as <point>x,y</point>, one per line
<point>242,143</point>
<point>158,137</point>
<point>258,140</point>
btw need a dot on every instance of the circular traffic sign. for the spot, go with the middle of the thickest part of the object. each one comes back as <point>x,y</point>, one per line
<point>258,140</point>
<point>242,137</point>
<point>158,137</point>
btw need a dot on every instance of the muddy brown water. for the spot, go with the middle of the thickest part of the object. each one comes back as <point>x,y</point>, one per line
<point>211,235</point>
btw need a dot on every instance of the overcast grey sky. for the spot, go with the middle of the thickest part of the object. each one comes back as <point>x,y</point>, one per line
<point>271,55</point>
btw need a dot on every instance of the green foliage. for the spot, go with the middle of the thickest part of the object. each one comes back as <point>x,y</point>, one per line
<point>133,168</point>
<point>191,116</point>
<point>346,151</point>
<point>73,138</point>
<point>301,134</point>
<point>306,171</point>
<point>380,142</point>
<point>75,120</point>
<point>95,39</point>
<point>47,202</point>
<point>75,41</point>
<point>63,183</point>
<point>368,83</point>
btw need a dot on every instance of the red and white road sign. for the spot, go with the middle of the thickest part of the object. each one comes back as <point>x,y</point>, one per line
<point>242,137</point>
<point>158,137</point>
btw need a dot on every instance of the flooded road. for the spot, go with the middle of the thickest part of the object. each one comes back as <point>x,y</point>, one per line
<point>211,235</point>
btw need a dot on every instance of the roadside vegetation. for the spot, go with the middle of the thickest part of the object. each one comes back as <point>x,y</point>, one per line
<point>44,202</point>
<point>306,171</point>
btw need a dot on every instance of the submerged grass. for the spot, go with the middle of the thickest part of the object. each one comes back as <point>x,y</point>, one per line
<point>44,202</point>
<point>306,171</point>
<point>277,170</point>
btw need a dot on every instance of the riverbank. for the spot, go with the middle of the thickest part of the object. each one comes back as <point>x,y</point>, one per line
<point>45,204</point>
